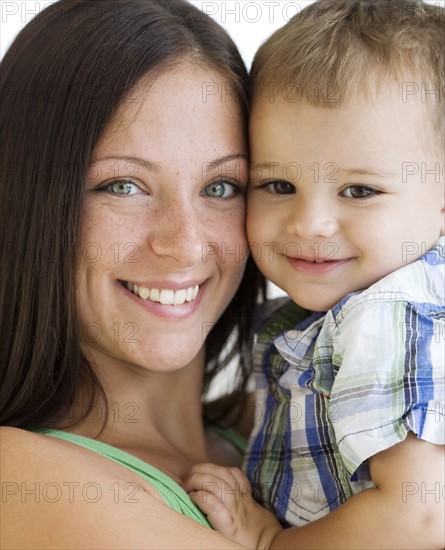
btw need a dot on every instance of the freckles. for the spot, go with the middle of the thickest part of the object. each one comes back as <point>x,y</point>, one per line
<point>233,229</point>
<point>227,232</point>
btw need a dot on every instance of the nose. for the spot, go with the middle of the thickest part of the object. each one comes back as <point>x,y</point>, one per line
<point>312,217</point>
<point>176,233</point>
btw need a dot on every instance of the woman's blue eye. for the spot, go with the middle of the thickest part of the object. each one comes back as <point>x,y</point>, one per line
<point>281,188</point>
<point>220,190</point>
<point>358,192</point>
<point>123,188</point>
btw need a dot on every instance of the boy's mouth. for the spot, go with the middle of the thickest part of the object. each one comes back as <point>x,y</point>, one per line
<point>311,260</point>
<point>319,265</point>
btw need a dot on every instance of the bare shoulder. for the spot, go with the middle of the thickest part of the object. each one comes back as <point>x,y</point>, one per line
<point>29,456</point>
<point>23,452</point>
<point>58,495</point>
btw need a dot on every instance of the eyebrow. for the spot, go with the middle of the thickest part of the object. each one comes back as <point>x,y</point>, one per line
<point>228,158</point>
<point>365,172</point>
<point>265,164</point>
<point>143,163</point>
<point>347,171</point>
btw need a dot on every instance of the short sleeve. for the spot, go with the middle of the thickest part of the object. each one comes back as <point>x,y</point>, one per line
<point>388,361</point>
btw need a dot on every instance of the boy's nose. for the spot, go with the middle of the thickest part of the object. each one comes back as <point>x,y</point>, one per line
<point>312,218</point>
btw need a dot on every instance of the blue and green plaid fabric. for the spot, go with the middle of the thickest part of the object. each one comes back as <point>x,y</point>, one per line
<point>341,386</point>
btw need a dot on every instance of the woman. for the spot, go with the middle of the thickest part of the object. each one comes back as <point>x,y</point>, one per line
<point>122,248</point>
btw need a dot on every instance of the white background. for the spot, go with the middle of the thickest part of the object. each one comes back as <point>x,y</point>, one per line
<point>248,22</point>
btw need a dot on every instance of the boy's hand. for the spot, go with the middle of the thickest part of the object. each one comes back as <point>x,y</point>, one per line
<point>225,496</point>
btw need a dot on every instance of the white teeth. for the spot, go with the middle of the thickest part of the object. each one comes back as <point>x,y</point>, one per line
<point>154,295</point>
<point>144,293</point>
<point>189,296</point>
<point>166,297</point>
<point>180,296</point>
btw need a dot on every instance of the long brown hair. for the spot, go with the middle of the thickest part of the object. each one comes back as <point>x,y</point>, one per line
<point>61,82</point>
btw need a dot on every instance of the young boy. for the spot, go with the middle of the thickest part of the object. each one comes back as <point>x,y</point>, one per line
<point>346,210</point>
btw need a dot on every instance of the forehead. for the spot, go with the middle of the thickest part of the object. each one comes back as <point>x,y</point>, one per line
<point>167,115</point>
<point>383,128</point>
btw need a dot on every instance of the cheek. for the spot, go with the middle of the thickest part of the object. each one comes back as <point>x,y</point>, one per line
<point>253,231</point>
<point>260,225</point>
<point>110,237</point>
<point>102,250</point>
<point>95,228</point>
<point>232,250</point>
<point>251,220</point>
<point>227,229</point>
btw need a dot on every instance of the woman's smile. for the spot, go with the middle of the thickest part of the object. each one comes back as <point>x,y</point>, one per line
<point>166,303</point>
<point>165,296</point>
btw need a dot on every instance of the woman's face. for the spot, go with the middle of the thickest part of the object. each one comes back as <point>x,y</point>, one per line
<point>163,245</point>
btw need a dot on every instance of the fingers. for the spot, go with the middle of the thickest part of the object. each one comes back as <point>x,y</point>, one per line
<point>225,496</point>
<point>218,515</point>
<point>213,478</point>
<point>217,487</point>
<point>218,492</point>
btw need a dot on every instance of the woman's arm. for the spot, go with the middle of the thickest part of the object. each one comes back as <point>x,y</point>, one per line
<point>56,495</point>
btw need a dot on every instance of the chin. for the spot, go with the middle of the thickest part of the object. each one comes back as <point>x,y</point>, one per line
<point>178,357</point>
<point>315,303</point>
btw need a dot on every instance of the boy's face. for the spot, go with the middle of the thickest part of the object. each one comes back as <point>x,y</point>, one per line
<point>341,197</point>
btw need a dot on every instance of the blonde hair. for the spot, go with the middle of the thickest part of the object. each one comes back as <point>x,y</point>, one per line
<point>334,49</point>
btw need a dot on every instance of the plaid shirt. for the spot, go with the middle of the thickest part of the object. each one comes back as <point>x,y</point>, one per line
<point>345,385</point>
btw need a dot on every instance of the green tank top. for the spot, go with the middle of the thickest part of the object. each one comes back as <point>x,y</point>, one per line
<point>172,493</point>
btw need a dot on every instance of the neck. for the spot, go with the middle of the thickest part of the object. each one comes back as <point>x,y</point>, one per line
<point>156,416</point>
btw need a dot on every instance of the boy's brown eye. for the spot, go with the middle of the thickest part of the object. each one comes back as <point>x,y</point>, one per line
<point>358,192</point>
<point>281,188</point>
